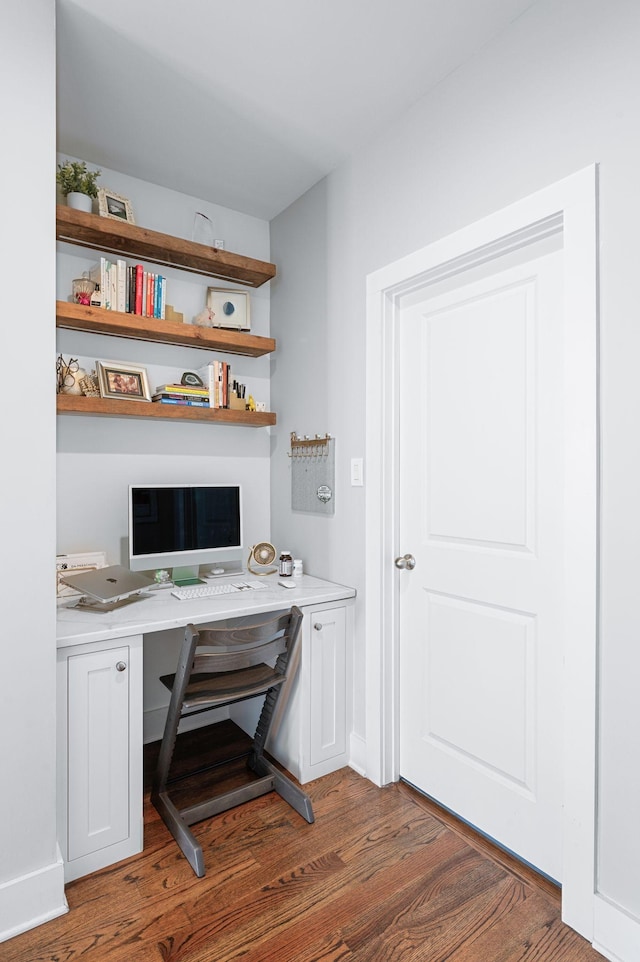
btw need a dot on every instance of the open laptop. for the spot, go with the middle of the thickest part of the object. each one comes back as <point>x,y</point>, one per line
<point>107,588</point>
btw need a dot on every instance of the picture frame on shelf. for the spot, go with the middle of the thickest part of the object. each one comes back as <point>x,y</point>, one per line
<point>127,382</point>
<point>231,308</point>
<point>114,205</point>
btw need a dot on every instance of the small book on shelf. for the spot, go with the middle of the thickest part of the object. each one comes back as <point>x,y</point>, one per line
<point>182,389</point>
<point>186,401</point>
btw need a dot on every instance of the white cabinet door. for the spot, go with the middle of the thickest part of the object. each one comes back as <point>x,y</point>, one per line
<point>327,685</point>
<point>102,755</point>
<point>98,750</point>
<point>310,729</point>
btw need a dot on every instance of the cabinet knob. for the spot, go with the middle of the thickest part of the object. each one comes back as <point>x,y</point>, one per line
<point>121,666</point>
<point>317,626</point>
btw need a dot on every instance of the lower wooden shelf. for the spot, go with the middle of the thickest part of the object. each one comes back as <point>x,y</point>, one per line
<point>110,408</point>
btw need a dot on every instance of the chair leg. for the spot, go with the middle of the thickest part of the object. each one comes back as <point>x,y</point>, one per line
<point>159,797</point>
<point>170,815</point>
<point>293,795</point>
<point>174,711</point>
<point>298,799</point>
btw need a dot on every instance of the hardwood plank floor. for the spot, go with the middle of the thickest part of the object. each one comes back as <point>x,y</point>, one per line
<point>383,875</point>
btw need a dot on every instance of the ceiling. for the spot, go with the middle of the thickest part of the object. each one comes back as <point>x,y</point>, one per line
<point>249,103</point>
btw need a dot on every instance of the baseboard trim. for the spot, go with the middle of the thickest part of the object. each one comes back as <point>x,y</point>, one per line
<point>358,754</point>
<point>32,899</point>
<point>616,933</point>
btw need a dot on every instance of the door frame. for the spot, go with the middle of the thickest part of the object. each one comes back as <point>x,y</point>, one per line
<point>569,208</point>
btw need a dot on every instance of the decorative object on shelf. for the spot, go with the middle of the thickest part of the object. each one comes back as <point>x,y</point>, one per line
<point>230,308</point>
<point>193,380</point>
<point>171,315</point>
<point>251,404</point>
<point>82,288</point>
<point>202,232</point>
<point>114,205</point>
<point>205,318</point>
<point>69,374</point>
<point>312,474</point>
<point>89,385</point>
<point>78,184</point>
<point>124,381</point>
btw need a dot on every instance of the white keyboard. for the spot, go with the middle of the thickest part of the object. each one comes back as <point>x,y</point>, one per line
<point>212,591</point>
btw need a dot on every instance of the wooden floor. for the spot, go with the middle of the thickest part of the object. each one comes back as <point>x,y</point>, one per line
<point>381,875</point>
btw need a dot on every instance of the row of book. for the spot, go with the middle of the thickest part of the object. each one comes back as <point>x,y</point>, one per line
<point>216,377</point>
<point>129,288</point>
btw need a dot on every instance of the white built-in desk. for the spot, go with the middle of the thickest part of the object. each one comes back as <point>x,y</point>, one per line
<point>100,704</point>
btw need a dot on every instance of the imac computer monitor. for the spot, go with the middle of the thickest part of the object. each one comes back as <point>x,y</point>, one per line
<point>184,526</point>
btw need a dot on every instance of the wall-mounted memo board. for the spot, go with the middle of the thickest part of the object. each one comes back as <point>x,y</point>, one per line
<point>312,474</point>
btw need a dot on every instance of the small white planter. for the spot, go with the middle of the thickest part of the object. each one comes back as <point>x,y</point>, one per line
<point>79,201</point>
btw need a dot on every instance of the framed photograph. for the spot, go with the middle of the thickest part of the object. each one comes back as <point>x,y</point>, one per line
<point>230,308</point>
<point>114,205</point>
<point>118,380</point>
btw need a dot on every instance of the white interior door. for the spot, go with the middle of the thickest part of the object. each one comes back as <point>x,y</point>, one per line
<point>481,502</point>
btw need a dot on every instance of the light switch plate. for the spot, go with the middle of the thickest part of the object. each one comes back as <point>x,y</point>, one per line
<point>357,472</point>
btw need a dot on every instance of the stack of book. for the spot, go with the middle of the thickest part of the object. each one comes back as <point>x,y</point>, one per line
<point>182,394</point>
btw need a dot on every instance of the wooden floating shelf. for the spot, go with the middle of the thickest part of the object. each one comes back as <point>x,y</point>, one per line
<point>96,320</point>
<point>116,408</point>
<point>121,238</point>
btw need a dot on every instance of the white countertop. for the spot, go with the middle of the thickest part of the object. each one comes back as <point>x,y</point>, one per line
<point>160,610</point>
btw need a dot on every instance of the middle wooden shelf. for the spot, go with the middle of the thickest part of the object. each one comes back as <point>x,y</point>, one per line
<point>97,320</point>
<point>121,408</point>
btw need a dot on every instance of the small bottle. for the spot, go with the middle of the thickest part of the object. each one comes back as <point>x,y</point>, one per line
<point>297,568</point>
<point>285,569</point>
<point>96,298</point>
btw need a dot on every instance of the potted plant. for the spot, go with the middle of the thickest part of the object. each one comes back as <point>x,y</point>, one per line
<point>78,184</point>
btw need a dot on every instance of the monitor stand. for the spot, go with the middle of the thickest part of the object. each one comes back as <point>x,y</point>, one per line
<point>224,569</point>
<point>186,575</point>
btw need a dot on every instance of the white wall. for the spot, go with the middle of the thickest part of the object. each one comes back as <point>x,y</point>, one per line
<point>31,878</point>
<point>558,91</point>
<point>99,457</point>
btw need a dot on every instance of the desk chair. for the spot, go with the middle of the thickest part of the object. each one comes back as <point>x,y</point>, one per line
<point>218,666</point>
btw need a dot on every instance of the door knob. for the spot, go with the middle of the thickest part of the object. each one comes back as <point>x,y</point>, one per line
<point>407,561</point>
<point>121,666</point>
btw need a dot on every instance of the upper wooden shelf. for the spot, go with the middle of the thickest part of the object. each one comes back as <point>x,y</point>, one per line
<point>96,320</point>
<point>121,238</point>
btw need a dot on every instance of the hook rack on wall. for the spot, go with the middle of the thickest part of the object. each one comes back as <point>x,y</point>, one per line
<point>312,473</point>
<point>307,447</point>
